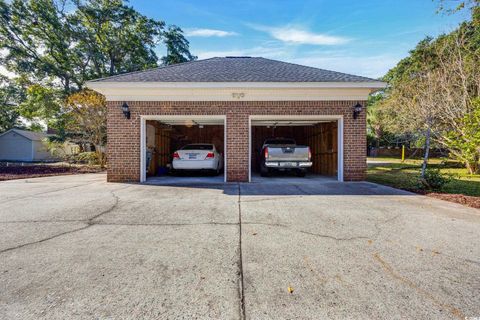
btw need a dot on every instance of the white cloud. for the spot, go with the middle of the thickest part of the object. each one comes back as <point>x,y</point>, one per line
<point>368,66</point>
<point>6,73</point>
<point>295,35</point>
<point>208,33</point>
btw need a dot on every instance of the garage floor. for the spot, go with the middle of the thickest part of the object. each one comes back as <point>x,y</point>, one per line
<point>256,178</point>
<point>185,180</point>
<point>291,178</point>
<point>81,248</point>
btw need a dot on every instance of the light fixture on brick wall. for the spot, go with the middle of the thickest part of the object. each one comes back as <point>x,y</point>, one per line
<point>126,110</point>
<point>356,110</point>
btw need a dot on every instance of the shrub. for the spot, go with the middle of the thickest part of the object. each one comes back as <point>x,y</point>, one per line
<point>90,158</point>
<point>434,179</point>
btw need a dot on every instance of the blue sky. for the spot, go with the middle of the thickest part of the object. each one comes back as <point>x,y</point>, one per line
<point>364,37</point>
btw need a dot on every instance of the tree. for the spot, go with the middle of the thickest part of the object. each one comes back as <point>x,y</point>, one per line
<point>39,43</point>
<point>114,38</point>
<point>98,38</point>
<point>42,103</point>
<point>465,143</point>
<point>9,97</point>
<point>86,115</point>
<point>177,47</point>
<point>58,45</point>
<point>454,6</point>
<point>433,92</point>
<point>410,101</point>
<point>458,82</point>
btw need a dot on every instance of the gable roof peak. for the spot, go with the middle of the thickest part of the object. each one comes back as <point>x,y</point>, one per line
<point>235,69</point>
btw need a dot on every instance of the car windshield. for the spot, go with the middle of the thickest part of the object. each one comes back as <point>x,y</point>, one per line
<point>198,147</point>
<point>280,141</point>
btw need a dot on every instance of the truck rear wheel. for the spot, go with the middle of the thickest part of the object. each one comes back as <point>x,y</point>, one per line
<point>301,173</point>
<point>264,172</point>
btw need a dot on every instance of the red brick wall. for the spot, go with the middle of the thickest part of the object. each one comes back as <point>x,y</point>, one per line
<point>124,134</point>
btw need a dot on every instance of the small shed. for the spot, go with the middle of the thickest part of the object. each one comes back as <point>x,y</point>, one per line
<point>23,145</point>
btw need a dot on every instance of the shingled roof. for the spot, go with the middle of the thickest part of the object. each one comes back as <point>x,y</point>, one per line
<point>31,135</point>
<point>235,69</point>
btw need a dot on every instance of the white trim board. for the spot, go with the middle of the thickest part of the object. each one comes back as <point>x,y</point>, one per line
<point>116,84</point>
<point>338,118</point>
<point>235,91</point>
<point>143,120</point>
<point>235,94</point>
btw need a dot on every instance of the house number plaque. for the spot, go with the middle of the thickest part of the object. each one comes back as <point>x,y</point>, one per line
<point>238,95</point>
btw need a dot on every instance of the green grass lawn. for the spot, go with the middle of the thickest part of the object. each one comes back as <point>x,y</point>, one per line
<point>392,172</point>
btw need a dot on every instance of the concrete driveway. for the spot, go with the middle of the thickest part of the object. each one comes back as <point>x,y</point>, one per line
<point>76,247</point>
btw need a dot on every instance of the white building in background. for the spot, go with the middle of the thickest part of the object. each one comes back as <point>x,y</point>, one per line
<point>23,145</point>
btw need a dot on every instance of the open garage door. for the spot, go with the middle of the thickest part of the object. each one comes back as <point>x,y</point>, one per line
<point>323,135</point>
<point>189,140</point>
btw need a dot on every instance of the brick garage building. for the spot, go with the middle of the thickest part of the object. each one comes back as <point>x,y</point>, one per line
<point>249,98</point>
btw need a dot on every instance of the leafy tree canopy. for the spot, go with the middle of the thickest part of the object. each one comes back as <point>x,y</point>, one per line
<point>68,42</point>
<point>177,47</point>
<point>55,46</point>
<point>10,95</point>
<point>434,92</point>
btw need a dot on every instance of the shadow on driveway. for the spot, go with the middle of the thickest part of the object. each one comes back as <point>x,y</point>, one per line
<point>278,186</point>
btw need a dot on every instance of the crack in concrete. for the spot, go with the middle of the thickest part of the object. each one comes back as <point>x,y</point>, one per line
<point>267,224</point>
<point>472,261</point>
<point>89,223</point>
<point>384,222</point>
<point>389,269</point>
<point>113,207</point>
<point>46,192</point>
<point>44,239</point>
<point>378,225</point>
<point>326,236</point>
<point>302,190</point>
<point>334,238</point>
<point>128,224</point>
<point>168,224</point>
<point>273,199</point>
<point>240,258</point>
<point>43,221</point>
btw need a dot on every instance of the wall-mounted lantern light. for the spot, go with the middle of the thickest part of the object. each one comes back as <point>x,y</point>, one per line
<point>126,110</point>
<point>356,110</point>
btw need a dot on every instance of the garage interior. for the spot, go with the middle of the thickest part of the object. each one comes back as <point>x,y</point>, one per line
<point>320,135</point>
<point>165,136</point>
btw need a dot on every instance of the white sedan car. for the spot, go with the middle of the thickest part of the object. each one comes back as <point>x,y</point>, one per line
<point>198,156</point>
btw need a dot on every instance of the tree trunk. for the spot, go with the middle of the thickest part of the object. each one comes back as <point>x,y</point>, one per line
<point>112,65</point>
<point>473,167</point>
<point>67,85</point>
<point>427,150</point>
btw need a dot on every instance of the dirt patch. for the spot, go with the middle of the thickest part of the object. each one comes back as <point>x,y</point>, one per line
<point>469,201</point>
<point>13,171</point>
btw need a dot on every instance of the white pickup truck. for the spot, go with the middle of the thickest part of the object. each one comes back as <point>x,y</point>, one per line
<point>280,154</point>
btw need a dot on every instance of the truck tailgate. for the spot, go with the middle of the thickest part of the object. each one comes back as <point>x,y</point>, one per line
<point>297,153</point>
